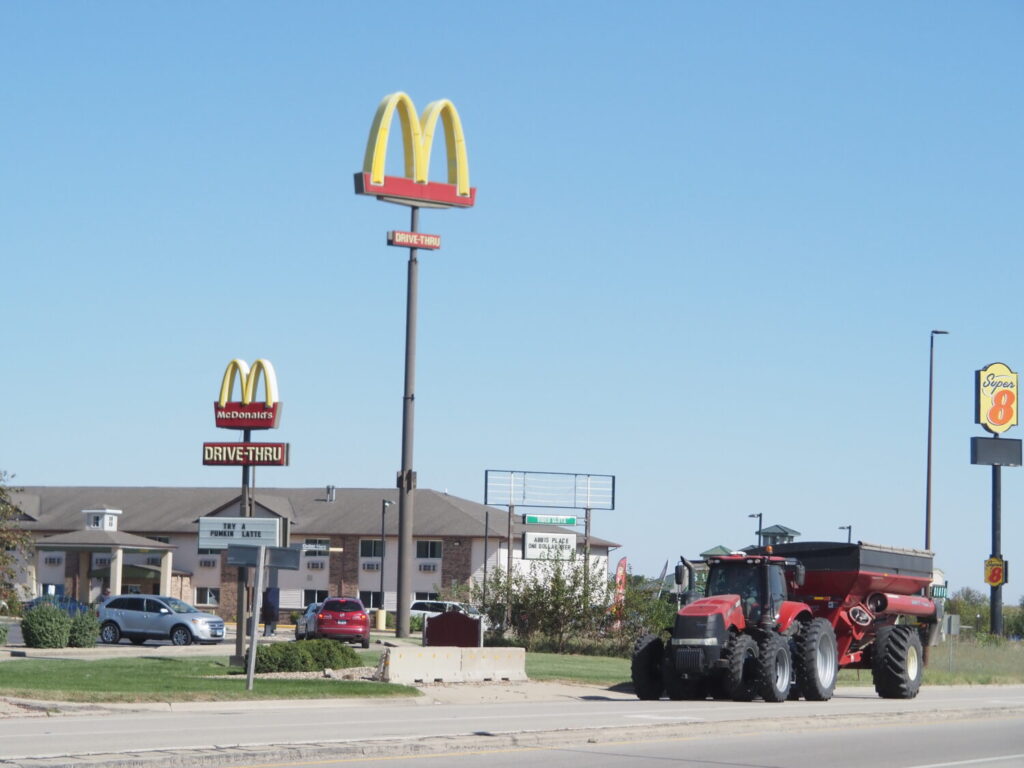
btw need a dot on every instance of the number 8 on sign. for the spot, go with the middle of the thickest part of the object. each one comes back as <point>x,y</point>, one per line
<point>1002,411</point>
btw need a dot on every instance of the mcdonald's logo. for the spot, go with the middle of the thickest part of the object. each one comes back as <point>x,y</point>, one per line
<point>247,414</point>
<point>417,140</point>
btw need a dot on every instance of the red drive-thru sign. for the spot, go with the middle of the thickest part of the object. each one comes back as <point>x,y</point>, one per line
<point>414,240</point>
<point>245,454</point>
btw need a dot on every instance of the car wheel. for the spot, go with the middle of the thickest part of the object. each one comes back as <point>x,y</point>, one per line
<point>181,636</point>
<point>366,642</point>
<point>109,633</point>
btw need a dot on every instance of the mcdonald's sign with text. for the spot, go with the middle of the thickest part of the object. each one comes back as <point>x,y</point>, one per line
<point>414,188</point>
<point>248,413</point>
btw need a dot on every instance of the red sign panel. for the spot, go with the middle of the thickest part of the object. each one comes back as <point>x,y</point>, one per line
<point>247,415</point>
<point>398,189</point>
<point>245,454</point>
<point>414,240</point>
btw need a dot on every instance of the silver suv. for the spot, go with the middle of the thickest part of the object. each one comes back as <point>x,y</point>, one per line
<point>155,617</point>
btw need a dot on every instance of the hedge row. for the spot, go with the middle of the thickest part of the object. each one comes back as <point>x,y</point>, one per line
<point>47,626</point>
<point>305,656</point>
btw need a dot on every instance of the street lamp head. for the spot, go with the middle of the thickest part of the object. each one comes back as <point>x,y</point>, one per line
<point>934,333</point>
<point>387,503</point>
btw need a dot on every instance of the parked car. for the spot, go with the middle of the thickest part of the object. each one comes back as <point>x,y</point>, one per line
<point>156,617</point>
<point>343,618</point>
<point>430,608</point>
<point>69,605</point>
<point>305,625</point>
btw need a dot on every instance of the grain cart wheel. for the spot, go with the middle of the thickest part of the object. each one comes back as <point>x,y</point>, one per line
<point>775,668</point>
<point>815,661</point>
<point>646,667</point>
<point>739,681</point>
<point>897,663</point>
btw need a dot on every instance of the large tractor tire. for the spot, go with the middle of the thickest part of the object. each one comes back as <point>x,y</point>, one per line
<point>815,661</point>
<point>646,667</point>
<point>740,677</point>
<point>775,668</point>
<point>897,663</point>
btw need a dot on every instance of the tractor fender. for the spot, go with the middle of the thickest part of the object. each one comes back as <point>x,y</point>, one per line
<point>791,614</point>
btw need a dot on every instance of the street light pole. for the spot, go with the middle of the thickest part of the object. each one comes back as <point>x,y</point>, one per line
<point>849,532</point>
<point>760,525</point>
<point>928,485</point>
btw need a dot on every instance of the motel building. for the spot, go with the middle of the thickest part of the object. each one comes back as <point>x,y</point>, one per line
<point>146,540</point>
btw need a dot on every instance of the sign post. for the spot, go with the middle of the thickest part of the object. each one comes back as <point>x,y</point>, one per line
<point>995,397</point>
<point>415,190</point>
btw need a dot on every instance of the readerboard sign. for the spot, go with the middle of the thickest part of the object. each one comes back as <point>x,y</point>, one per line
<point>549,546</point>
<point>221,532</point>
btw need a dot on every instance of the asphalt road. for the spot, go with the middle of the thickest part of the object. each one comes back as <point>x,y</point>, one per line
<point>455,719</point>
<point>991,742</point>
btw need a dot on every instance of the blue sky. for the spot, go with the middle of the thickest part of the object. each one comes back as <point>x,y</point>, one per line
<point>709,245</point>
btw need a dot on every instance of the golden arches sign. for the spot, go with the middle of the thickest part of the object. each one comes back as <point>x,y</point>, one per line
<point>245,413</point>
<point>414,188</point>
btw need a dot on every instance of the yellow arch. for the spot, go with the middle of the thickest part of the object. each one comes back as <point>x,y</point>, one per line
<point>228,382</point>
<point>417,140</point>
<point>269,382</point>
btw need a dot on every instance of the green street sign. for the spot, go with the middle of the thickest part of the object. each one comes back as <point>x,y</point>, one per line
<point>551,519</point>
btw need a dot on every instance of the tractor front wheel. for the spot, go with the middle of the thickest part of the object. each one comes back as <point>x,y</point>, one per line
<point>815,661</point>
<point>775,667</point>
<point>739,680</point>
<point>897,662</point>
<point>646,667</point>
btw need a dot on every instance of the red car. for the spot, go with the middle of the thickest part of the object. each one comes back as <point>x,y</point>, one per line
<point>343,618</point>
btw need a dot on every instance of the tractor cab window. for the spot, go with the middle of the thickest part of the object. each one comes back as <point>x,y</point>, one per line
<point>738,579</point>
<point>733,579</point>
<point>777,586</point>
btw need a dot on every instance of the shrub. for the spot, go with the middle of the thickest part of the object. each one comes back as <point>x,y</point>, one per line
<point>283,657</point>
<point>330,654</point>
<point>3,634</point>
<point>46,626</point>
<point>294,616</point>
<point>85,630</point>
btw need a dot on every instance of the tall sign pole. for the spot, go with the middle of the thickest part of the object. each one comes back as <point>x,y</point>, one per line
<point>995,396</point>
<point>415,190</point>
<point>406,476</point>
<point>246,414</point>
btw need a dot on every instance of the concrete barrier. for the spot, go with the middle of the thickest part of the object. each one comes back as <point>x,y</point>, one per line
<point>497,664</point>
<point>443,664</point>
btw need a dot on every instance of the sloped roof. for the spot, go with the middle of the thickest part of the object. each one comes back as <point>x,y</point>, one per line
<point>163,510</point>
<point>776,530</point>
<point>99,541</point>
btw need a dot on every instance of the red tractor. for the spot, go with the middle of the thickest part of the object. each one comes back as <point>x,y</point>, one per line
<point>780,622</point>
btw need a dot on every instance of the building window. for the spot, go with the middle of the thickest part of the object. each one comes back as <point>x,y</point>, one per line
<point>207,595</point>
<point>313,596</point>
<point>53,560</point>
<point>371,548</point>
<point>208,551</point>
<point>315,565</point>
<point>317,548</point>
<point>102,562</point>
<point>370,599</point>
<point>207,563</point>
<point>428,549</point>
<point>426,596</point>
<point>153,560</point>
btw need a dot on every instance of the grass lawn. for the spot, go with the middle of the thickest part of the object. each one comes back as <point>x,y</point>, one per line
<point>198,678</point>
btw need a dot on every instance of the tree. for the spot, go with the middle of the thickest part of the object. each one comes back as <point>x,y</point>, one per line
<point>16,544</point>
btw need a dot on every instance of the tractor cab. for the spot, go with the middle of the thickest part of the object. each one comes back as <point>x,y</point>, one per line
<point>760,581</point>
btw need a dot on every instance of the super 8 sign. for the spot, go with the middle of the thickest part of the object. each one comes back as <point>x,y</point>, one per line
<point>996,393</point>
<point>995,571</point>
